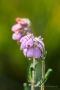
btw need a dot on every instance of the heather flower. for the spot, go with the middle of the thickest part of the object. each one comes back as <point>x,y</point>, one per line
<point>23,21</point>
<point>26,41</point>
<point>25,52</point>
<point>23,45</point>
<point>22,39</point>
<point>37,53</point>
<point>34,46</point>
<point>16,27</point>
<point>27,37</point>
<point>20,29</point>
<point>31,46</point>
<point>29,43</point>
<point>30,52</point>
<point>16,36</point>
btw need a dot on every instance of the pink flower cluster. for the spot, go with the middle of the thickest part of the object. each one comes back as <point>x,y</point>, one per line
<point>21,28</point>
<point>31,46</point>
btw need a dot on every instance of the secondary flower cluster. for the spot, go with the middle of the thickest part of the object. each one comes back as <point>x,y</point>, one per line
<point>31,46</point>
<point>21,28</point>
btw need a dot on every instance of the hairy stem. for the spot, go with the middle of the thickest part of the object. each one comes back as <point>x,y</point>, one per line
<point>33,75</point>
<point>43,73</point>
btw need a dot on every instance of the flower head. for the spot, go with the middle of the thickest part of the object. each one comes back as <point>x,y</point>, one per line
<point>37,53</point>
<point>30,52</point>
<point>16,36</point>
<point>27,41</point>
<point>32,46</point>
<point>21,28</point>
<point>23,21</point>
<point>16,27</point>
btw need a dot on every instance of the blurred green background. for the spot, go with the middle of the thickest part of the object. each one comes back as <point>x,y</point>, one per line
<point>45,21</point>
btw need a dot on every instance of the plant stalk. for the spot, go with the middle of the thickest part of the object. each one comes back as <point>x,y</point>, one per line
<point>43,73</point>
<point>33,75</point>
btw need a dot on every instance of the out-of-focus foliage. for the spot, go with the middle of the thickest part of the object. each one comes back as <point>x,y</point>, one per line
<point>45,21</point>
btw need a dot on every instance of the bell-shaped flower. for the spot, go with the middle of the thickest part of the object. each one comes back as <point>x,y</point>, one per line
<point>23,21</point>
<point>37,53</point>
<point>30,52</point>
<point>29,43</point>
<point>16,36</point>
<point>16,27</point>
<point>23,45</point>
<point>23,38</point>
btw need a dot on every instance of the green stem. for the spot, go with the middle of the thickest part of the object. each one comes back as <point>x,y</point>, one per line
<point>33,75</point>
<point>43,73</point>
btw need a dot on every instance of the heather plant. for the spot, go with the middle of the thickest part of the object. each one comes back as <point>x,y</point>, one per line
<point>33,48</point>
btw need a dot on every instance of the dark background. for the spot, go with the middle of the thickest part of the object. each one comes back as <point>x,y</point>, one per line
<point>45,21</point>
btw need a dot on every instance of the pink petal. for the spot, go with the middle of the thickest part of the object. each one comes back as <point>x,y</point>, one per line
<point>23,45</point>
<point>16,27</point>
<point>16,36</point>
<point>25,52</point>
<point>30,52</point>
<point>24,38</point>
<point>37,53</point>
<point>29,43</point>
